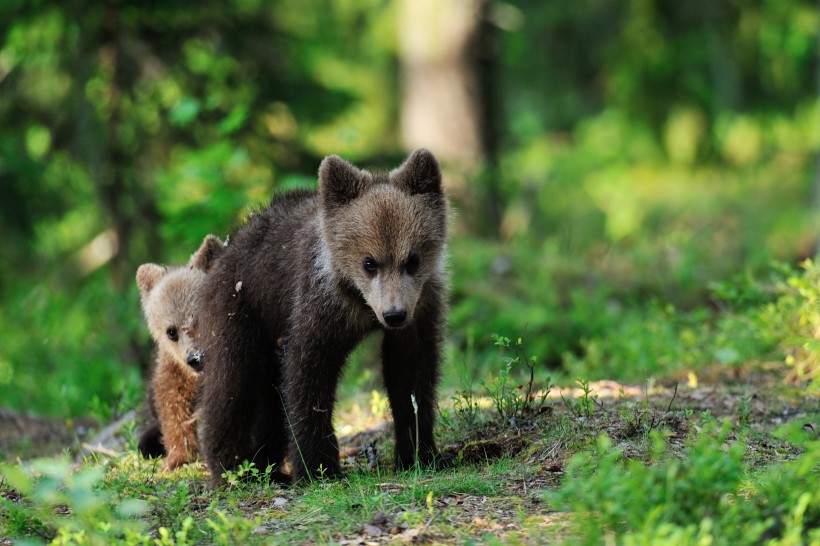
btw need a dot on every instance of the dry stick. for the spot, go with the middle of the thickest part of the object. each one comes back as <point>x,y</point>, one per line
<point>519,348</point>
<point>531,366</point>
<point>100,450</point>
<point>674,394</point>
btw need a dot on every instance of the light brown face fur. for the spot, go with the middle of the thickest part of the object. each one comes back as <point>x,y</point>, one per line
<point>169,303</point>
<point>385,233</point>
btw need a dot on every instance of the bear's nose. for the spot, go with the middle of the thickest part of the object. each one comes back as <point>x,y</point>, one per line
<point>195,360</point>
<point>394,318</point>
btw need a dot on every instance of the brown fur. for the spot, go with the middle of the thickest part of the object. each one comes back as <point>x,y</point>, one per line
<point>169,298</point>
<point>300,285</point>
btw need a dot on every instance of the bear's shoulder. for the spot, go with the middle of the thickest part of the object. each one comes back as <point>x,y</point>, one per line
<point>286,214</point>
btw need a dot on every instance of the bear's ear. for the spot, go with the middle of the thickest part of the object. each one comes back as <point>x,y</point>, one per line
<point>340,182</point>
<point>419,174</point>
<point>206,255</point>
<point>148,275</point>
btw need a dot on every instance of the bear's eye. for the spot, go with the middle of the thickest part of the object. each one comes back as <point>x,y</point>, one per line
<point>172,333</point>
<point>369,265</point>
<point>412,265</point>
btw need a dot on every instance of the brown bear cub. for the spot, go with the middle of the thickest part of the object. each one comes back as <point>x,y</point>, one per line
<point>169,298</point>
<point>301,284</point>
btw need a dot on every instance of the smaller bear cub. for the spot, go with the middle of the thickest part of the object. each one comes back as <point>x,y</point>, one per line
<point>168,298</point>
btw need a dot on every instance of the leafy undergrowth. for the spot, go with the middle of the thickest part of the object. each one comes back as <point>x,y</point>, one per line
<point>603,462</point>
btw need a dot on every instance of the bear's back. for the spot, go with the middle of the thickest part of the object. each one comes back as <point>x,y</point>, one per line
<point>258,271</point>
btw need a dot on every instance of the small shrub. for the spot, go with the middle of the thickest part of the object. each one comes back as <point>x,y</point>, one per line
<point>465,406</point>
<point>511,400</point>
<point>248,472</point>
<point>585,404</point>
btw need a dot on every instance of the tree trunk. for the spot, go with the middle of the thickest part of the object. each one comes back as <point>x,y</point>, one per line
<point>447,53</point>
<point>112,166</point>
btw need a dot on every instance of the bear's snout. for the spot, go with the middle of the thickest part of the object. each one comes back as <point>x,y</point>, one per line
<point>394,318</point>
<point>194,360</point>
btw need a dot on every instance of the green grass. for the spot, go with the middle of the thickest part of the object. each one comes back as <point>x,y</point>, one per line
<point>139,501</point>
<point>553,475</point>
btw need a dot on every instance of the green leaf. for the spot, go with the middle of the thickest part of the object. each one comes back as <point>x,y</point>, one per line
<point>234,121</point>
<point>184,112</point>
<point>17,478</point>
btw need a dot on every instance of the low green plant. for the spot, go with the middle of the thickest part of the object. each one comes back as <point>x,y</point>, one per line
<point>511,400</point>
<point>506,401</point>
<point>465,406</point>
<point>703,498</point>
<point>170,501</point>
<point>465,402</point>
<point>642,418</point>
<point>799,308</point>
<point>166,537</point>
<point>584,405</point>
<point>230,528</point>
<point>248,472</point>
<point>744,411</point>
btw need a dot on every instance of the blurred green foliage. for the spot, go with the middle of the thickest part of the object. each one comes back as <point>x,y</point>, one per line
<point>647,150</point>
<point>53,489</point>
<point>799,310</point>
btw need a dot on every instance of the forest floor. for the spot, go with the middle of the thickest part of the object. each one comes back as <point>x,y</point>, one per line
<point>497,491</point>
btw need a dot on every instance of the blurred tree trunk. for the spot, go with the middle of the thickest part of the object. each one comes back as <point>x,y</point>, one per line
<point>111,54</point>
<point>447,51</point>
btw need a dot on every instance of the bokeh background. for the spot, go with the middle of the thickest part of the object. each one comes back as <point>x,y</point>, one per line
<point>624,173</point>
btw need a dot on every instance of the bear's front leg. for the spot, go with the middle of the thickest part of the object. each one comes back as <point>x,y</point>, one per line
<point>150,443</point>
<point>410,359</point>
<point>175,391</point>
<point>230,381</point>
<point>312,369</point>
